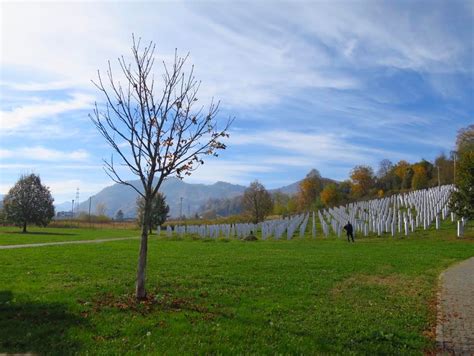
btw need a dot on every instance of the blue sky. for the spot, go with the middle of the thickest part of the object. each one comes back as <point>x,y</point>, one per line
<point>326,85</point>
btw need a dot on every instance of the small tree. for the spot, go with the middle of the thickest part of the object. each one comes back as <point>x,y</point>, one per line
<point>119,215</point>
<point>29,202</point>
<point>257,202</point>
<point>159,211</point>
<point>156,130</point>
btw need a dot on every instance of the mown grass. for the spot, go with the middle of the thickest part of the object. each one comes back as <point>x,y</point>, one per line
<point>10,235</point>
<point>216,296</point>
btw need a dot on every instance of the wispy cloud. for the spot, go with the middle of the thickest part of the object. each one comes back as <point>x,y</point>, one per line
<point>40,86</point>
<point>67,187</point>
<point>312,84</point>
<point>313,147</point>
<point>24,117</point>
<point>40,153</point>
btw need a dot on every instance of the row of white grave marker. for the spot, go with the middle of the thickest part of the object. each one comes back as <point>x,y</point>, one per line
<point>399,214</point>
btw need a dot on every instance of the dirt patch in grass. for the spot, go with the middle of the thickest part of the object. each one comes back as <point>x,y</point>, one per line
<point>154,302</point>
<point>395,283</point>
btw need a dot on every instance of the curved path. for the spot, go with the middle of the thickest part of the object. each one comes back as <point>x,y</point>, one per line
<point>6,247</point>
<point>455,319</point>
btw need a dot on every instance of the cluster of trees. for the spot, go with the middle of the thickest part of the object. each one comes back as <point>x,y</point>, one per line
<point>221,207</point>
<point>316,192</point>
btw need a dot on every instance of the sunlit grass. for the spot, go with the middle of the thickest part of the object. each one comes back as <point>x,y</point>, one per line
<point>299,296</point>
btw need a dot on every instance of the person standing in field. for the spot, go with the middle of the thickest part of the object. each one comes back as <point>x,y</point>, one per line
<point>350,231</point>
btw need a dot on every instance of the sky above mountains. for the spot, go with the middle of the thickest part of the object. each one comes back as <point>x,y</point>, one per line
<point>328,84</point>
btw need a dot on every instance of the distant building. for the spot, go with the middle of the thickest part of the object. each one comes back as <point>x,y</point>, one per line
<point>64,215</point>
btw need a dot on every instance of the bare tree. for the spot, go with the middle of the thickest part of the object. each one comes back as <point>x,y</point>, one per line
<point>156,130</point>
<point>257,202</point>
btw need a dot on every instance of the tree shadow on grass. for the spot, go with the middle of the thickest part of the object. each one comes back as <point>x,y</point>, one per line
<point>41,233</point>
<point>37,327</point>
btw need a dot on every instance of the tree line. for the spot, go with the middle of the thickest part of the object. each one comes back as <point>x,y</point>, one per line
<point>315,192</point>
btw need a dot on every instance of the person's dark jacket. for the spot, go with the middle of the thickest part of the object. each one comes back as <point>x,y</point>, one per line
<point>348,228</point>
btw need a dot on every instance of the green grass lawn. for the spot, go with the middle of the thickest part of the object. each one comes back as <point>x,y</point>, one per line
<point>13,236</point>
<point>301,296</point>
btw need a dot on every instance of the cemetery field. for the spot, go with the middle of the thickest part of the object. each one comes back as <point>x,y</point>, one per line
<point>10,235</point>
<point>218,296</point>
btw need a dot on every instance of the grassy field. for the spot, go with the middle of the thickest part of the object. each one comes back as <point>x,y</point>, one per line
<point>13,236</point>
<point>301,296</point>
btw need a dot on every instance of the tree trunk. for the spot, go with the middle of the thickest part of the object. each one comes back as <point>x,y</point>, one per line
<point>140,290</point>
<point>24,227</point>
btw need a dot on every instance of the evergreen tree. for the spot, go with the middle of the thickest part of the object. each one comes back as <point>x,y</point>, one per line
<point>159,211</point>
<point>462,200</point>
<point>119,215</point>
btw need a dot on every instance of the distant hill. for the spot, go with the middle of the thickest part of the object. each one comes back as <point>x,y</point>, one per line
<point>64,206</point>
<point>293,187</point>
<point>195,196</point>
<point>124,198</point>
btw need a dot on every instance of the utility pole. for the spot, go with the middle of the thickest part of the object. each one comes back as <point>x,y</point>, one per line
<point>77,199</point>
<point>72,209</point>
<point>90,198</point>
<point>181,208</point>
<point>454,168</point>
<point>454,154</point>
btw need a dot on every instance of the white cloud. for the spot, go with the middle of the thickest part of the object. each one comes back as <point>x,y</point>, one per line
<point>252,56</point>
<point>232,171</point>
<point>40,153</point>
<point>246,58</point>
<point>65,189</point>
<point>24,117</point>
<point>40,86</point>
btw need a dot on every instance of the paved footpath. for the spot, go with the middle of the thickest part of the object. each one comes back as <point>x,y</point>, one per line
<point>455,319</point>
<point>6,247</point>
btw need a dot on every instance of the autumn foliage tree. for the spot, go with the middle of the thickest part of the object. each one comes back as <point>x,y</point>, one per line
<point>330,195</point>
<point>420,177</point>
<point>362,180</point>
<point>156,129</point>
<point>29,202</point>
<point>257,202</point>
<point>309,189</point>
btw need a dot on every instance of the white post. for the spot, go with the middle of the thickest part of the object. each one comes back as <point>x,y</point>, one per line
<point>460,229</point>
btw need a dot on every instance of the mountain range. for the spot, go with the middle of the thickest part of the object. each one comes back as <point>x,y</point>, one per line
<point>121,197</point>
